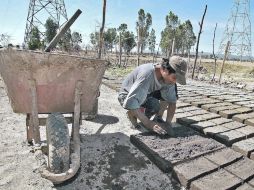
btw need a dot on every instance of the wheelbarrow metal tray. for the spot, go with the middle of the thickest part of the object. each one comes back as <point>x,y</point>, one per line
<point>55,76</point>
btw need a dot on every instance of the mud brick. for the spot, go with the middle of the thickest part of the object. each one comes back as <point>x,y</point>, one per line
<point>224,157</point>
<point>247,130</point>
<point>189,171</point>
<point>179,110</point>
<point>200,103</point>
<point>233,125</point>
<point>182,105</point>
<point>166,152</point>
<point>251,182</point>
<point>191,108</point>
<point>235,100</point>
<point>249,122</point>
<point>200,126</point>
<point>217,109</point>
<point>242,117</point>
<point>217,180</point>
<point>252,156</point>
<point>221,120</point>
<point>244,103</point>
<point>186,121</point>
<point>210,116</point>
<point>245,146</point>
<point>181,115</point>
<point>211,131</point>
<point>199,112</point>
<point>230,113</point>
<point>245,186</point>
<point>249,106</point>
<point>229,137</point>
<point>189,100</point>
<point>209,106</point>
<point>243,168</point>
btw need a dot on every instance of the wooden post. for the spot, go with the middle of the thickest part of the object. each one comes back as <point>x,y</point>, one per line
<point>214,57</point>
<point>76,123</point>
<point>200,31</point>
<point>62,31</point>
<point>138,47</point>
<point>34,115</point>
<point>29,129</point>
<point>225,57</point>
<point>120,49</point>
<point>102,28</point>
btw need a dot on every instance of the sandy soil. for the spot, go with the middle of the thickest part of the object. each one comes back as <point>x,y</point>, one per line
<point>108,159</point>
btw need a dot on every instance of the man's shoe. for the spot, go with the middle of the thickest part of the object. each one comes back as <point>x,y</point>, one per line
<point>158,119</point>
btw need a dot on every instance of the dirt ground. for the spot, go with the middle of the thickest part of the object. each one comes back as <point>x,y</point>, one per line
<point>108,159</point>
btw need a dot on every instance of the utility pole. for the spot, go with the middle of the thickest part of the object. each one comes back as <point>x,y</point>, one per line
<point>238,31</point>
<point>39,11</point>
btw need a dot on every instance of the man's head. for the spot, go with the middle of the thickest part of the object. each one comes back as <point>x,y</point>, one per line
<point>174,70</point>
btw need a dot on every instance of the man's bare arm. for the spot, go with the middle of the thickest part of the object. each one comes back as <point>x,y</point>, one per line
<point>170,112</point>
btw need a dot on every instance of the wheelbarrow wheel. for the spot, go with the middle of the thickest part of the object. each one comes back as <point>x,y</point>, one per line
<point>58,141</point>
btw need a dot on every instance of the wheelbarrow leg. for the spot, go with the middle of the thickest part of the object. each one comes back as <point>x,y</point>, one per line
<point>34,114</point>
<point>29,129</point>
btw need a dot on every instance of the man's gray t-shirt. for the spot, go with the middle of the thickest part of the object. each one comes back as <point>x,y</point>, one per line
<point>141,82</point>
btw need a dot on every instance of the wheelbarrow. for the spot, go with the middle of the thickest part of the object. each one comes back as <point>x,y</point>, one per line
<point>45,83</point>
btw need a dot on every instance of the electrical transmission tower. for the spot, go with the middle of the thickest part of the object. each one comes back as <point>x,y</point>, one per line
<point>39,11</point>
<point>238,31</point>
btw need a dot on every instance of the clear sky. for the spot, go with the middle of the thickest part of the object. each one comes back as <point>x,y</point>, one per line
<point>13,15</point>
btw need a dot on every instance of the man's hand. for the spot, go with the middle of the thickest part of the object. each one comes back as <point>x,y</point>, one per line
<point>157,128</point>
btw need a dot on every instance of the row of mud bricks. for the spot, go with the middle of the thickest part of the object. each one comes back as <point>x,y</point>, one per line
<point>214,143</point>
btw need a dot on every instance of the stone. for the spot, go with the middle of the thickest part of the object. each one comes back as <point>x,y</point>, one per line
<point>249,122</point>
<point>217,180</point>
<point>243,168</point>
<point>224,157</point>
<point>191,170</point>
<point>245,147</point>
<point>229,113</point>
<point>229,137</point>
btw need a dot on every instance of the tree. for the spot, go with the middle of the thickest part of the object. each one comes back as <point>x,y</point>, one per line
<point>110,38</point>
<point>76,38</point>
<point>168,34</point>
<point>34,41</point>
<point>94,39</point>
<point>65,42</point>
<point>143,25</point>
<point>152,41</point>
<point>51,30</point>
<point>128,42</point>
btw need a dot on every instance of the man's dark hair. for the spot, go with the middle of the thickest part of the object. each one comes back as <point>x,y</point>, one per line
<point>165,65</point>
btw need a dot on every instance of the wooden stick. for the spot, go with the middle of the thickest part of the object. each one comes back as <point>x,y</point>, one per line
<point>34,114</point>
<point>225,57</point>
<point>200,31</point>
